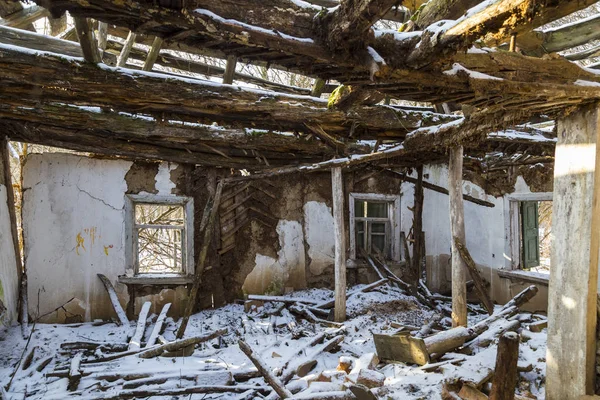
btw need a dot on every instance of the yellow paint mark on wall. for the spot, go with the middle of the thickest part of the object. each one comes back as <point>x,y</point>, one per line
<point>91,232</point>
<point>110,246</point>
<point>80,243</point>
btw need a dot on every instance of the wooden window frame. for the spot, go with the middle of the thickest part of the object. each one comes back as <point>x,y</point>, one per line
<point>512,226</point>
<point>393,219</point>
<point>131,228</point>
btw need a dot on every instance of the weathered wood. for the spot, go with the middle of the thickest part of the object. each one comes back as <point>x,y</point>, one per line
<point>187,391</point>
<point>122,317</point>
<point>126,49</point>
<point>230,70</point>
<point>457,227</point>
<point>318,87</point>
<point>153,54</point>
<point>505,373</point>
<point>180,344</point>
<point>87,40</point>
<point>289,372</point>
<point>217,378</point>
<point>418,234</point>
<point>470,392</point>
<point>75,372</point>
<point>369,287</point>
<point>270,378</point>
<point>403,348</point>
<point>282,299</point>
<point>24,18</point>
<point>480,288</point>
<point>102,35</point>
<point>337,188</point>
<point>446,341</point>
<point>136,340</point>
<point>201,263</point>
<point>437,10</point>
<point>573,287</point>
<point>158,326</point>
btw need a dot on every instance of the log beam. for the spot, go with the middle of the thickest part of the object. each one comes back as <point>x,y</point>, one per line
<point>87,40</point>
<point>337,187</point>
<point>25,17</point>
<point>457,227</point>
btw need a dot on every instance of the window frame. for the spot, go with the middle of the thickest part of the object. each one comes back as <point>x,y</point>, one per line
<point>512,226</point>
<point>393,218</point>
<point>131,236</point>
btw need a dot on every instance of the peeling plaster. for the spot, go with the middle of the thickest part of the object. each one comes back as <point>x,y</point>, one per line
<point>164,185</point>
<point>9,284</point>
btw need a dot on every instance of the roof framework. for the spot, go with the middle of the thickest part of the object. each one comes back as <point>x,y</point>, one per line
<point>56,92</point>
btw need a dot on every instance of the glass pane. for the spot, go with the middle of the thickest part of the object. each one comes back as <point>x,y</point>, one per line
<point>377,210</point>
<point>360,226</point>
<point>159,251</point>
<point>359,208</point>
<point>378,227</point>
<point>158,214</point>
<point>378,241</point>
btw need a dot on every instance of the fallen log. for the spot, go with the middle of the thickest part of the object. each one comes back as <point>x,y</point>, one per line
<point>219,378</point>
<point>308,314</point>
<point>281,299</point>
<point>269,377</point>
<point>158,326</point>
<point>480,288</point>
<point>346,395</point>
<point>292,368</point>
<point>75,372</point>
<point>94,345</point>
<point>136,340</point>
<point>121,315</point>
<point>314,341</point>
<point>132,394</point>
<point>180,344</point>
<point>331,303</point>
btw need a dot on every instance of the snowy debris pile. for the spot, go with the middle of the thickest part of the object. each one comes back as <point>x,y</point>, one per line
<point>276,347</point>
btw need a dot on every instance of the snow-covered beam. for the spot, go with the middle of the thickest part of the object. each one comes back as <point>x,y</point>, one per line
<point>25,17</point>
<point>31,76</point>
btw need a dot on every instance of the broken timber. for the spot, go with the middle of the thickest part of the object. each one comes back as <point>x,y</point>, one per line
<point>480,288</point>
<point>121,315</point>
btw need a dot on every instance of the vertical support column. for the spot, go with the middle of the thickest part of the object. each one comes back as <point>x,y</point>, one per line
<point>153,54</point>
<point>229,69</point>
<point>337,188</point>
<point>127,46</point>
<point>570,360</point>
<point>418,226</point>
<point>87,40</point>
<point>457,229</point>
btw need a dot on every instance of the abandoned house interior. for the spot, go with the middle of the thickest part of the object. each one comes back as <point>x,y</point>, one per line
<point>303,199</point>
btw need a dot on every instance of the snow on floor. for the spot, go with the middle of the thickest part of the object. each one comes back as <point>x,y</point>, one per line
<point>277,339</point>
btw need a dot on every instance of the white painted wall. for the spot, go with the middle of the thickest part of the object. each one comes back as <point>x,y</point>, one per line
<point>9,281</point>
<point>74,228</point>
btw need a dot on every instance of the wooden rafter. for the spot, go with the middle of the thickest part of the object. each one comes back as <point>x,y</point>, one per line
<point>25,17</point>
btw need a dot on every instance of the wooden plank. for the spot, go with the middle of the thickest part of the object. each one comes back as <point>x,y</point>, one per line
<point>136,340</point>
<point>122,317</point>
<point>265,371</point>
<point>457,228</point>
<point>505,373</point>
<point>480,288</point>
<point>401,348</point>
<point>158,326</point>
<point>153,54</point>
<point>124,54</point>
<point>87,40</point>
<point>337,188</point>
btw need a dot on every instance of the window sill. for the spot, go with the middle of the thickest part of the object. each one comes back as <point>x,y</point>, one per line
<point>533,277</point>
<point>156,280</point>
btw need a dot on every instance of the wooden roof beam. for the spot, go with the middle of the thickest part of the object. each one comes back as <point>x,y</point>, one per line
<point>87,40</point>
<point>347,27</point>
<point>56,78</point>
<point>532,15</point>
<point>537,43</point>
<point>25,17</point>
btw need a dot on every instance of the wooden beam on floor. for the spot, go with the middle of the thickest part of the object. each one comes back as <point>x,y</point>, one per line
<point>573,288</point>
<point>339,228</point>
<point>87,40</point>
<point>457,228</point>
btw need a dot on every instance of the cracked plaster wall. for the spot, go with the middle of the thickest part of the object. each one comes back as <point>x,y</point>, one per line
<point>9,283</point>
<point>74,228</point>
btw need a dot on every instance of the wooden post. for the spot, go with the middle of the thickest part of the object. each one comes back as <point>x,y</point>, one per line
<point>418,226</point>
<point>102,35</point>
<point>337,188</point>
<point>229,69</point>
<point>318,87</point>
<point>87,40</point>
<point>127,46</point>
<point>571,351</point>
<point>505,373</point>
<point>153,54</point>
<point>457,228</point>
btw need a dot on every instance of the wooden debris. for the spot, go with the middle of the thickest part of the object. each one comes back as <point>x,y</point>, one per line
<point>538,326</point>
<point>505,376</point>
<point>270,378</point>
<point>75,372</point>
<point>292,367</point>
<point>362,393</point>
<point>158,326</point>
<point>480,288</point>
<point>470,392</point>
<point>121,315</point>
<point>136,340</point>
<point>330,303</point>
<point>180,344</point>
<point>281,299</point>
<point>370,378</point>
